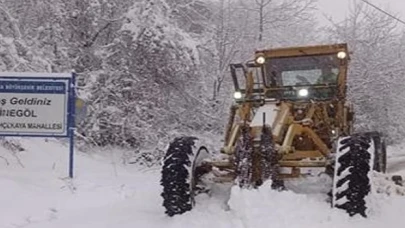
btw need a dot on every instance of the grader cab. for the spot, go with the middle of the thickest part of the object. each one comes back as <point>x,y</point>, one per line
<point>290,119</point>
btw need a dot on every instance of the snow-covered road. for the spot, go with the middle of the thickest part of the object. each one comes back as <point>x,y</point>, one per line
<point>35,194</point>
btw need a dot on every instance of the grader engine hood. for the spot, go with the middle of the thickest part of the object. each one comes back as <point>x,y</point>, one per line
<point>271,115</point>
<point>265,115</point>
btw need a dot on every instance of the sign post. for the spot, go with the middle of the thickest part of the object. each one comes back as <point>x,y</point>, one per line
<point>72,124</point>
<point>38,105</point>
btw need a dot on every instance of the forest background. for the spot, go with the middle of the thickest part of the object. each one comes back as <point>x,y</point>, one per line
<point>150,70</point>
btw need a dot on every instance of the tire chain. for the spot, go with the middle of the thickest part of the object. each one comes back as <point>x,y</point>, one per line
<point>359,184</point>
<point>175,176</point>
<point>270,160</point>
<point>243,158</point>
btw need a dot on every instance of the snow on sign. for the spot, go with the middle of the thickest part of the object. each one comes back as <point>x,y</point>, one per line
<point>35,104</point>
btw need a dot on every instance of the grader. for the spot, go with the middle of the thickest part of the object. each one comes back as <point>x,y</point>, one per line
<point>290,119</point>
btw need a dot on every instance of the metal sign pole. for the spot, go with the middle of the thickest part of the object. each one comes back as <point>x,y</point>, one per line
<point>72,112</point>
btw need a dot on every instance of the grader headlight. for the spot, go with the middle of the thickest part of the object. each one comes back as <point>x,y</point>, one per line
<point>260,59</point>
<point>341,55</point>
<point>237,95</point>
<point>303,92</point>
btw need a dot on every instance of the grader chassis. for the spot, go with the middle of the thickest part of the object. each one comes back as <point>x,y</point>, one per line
<point>291,119</point>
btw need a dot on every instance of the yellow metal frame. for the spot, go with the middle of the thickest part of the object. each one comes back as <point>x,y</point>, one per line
<point>284,129</point>
<point>303,51</point>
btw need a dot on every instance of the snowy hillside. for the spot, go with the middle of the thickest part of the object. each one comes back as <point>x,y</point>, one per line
<point>104,194</point>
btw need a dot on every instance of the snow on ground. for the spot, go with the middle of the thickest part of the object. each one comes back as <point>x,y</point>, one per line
<point>35,193</point>
<point>396,159</point>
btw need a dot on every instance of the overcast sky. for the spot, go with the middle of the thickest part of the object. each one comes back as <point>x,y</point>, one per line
<point>338,8</point>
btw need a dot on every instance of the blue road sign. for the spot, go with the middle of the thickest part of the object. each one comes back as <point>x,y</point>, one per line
<point>38,105</point>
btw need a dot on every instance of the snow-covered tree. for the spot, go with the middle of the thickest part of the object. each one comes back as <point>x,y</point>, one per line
<point>149,87</point>
<point>376,70</point>
<point>151,69</point>
<point>234,38</point>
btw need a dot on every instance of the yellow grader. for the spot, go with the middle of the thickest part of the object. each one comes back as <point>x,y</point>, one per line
<point>290,119</point>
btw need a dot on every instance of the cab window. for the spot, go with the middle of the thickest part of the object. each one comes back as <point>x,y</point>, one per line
<point>302,71</point>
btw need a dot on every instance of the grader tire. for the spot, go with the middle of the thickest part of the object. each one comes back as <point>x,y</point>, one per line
<point>351,182</point>
<point>179,168</point>
<point>243,159</point>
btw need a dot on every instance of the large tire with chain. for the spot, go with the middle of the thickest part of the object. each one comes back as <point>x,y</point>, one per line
<point>243,158</point>
<point>352,182</point>
<point>180,174</point>
<point>269,159</point>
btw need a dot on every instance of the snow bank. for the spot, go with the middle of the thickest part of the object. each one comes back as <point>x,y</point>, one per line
<point>36,190</point>
<point>105,194</point>
<point>267,208</point>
